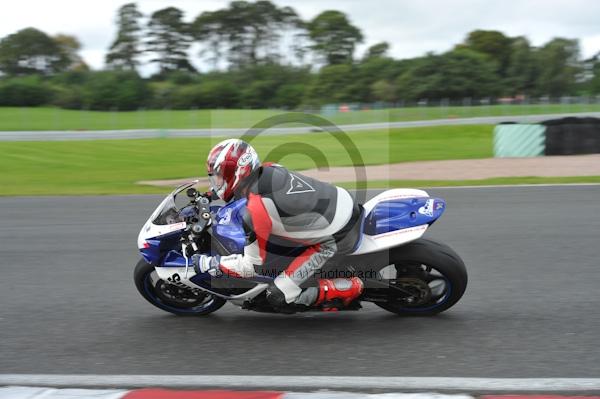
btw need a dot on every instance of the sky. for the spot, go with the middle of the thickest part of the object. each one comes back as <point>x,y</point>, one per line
<point>412,27</point>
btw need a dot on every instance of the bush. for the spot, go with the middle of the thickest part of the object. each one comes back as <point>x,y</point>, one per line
<point>332,84</point>
<point>71,97</point>
<point>119,90</point>
<point>25,92</point>
<point>289,96</point>
<point>209,94</point>
<point>258,94</point>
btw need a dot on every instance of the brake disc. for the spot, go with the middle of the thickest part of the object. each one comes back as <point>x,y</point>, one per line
<point>416,292</point>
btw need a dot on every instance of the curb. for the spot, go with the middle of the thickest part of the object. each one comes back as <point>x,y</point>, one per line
<point>54,393</point>
<point>309,383</point>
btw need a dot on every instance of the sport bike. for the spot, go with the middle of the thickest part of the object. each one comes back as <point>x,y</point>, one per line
<point>402,272</point>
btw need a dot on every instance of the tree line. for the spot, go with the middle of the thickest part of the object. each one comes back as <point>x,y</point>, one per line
<point>261,55</point>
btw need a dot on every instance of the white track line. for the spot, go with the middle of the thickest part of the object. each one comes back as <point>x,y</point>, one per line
<point>521,185</point>
<point>306,382</point>
<point>379,190</point>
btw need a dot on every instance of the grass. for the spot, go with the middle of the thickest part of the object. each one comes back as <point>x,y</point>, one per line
<point>114,166</point>
<point>35,119</point>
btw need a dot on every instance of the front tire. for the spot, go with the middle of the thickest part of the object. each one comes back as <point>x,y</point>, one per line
<point>170,298</point>
<point>428,268</point>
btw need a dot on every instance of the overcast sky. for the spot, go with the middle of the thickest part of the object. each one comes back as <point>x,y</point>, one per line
<point>412,27</point>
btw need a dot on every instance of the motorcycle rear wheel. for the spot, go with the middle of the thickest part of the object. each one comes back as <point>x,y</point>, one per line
<point>432,271</point>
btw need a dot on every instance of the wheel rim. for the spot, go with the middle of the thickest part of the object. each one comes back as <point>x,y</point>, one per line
<point>164,296</point>
<point>416,287</point>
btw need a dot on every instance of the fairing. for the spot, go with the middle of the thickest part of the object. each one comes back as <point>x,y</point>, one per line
<point>163,227</point>
<point>396,217</point>
<point>402,213</point>
<point>228,229</point>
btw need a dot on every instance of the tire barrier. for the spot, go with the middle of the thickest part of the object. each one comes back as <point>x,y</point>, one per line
<point>519,140</point>
<point>572,136</point>
<point>565,136</point>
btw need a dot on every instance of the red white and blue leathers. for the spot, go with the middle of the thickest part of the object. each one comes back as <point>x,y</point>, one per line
<point>288,206</point>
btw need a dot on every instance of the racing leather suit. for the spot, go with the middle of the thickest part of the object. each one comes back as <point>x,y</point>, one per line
<point>323,218</point>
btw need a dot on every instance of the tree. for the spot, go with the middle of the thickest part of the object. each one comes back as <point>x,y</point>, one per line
<point>31,51</point>
<point>335,38</point>
<point>522,69</point>
<point>209,28</point>
<point>492,43</point>
<point>559,61</point>
<point>378,50</point>
<point>169,39</point>
<point>383,91</point>
<point>593,67</point>
<point>70,46</point>
<point>332,84</point>
<point>124,51</point>
<point>369,71</point>
<point>252,31</point>
<point>455,75</point>
<point>270,84</point>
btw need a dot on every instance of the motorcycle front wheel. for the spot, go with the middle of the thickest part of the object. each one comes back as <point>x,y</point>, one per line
<point>171,298</point>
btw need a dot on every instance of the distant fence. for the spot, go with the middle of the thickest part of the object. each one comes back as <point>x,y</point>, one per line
<point>22,119</point>
<point>540,102</point>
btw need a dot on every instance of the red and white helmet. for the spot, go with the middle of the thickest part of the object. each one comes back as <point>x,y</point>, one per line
<point>228,164</point>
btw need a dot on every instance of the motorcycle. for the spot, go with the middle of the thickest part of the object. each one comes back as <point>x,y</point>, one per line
<point>402,272</point>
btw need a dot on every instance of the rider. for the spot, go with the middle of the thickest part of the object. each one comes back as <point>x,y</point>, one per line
<point>323,218</point>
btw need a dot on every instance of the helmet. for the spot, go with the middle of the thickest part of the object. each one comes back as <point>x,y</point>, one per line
<point>228,164</point>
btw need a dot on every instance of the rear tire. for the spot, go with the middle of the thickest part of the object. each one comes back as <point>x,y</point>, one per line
<point>438,257</point>
<point>154,292</point>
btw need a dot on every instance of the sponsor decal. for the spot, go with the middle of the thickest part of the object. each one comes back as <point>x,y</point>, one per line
<point>226,219</point>
<point>298,186</point>
<point>427,209</point>
<point>439,205</point>
<point>245,159</point>
<point>176,226</point>
<point>399,232</point>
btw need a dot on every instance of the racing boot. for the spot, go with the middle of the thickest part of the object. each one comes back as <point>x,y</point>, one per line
<point>339,292</point>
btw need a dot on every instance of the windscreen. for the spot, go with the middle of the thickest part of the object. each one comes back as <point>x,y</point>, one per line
<point>169,214</point>
<point>168,211</point>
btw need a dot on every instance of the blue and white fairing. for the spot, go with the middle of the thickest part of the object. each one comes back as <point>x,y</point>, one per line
<point>396,217</point>
<point>164,228</point>
<point>229,227</point>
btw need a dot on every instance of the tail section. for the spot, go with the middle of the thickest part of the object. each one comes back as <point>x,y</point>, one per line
<point>396,217</point>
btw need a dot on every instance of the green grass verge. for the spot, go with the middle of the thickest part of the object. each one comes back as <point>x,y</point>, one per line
<point>44,118</point>
<point>499,181</point>
<point>113,166</point>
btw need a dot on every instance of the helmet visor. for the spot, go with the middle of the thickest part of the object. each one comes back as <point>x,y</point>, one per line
<point>217,183</point>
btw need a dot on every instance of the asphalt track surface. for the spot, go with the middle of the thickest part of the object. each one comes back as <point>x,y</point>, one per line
<point>218,132</point>
<point>68,304</point>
